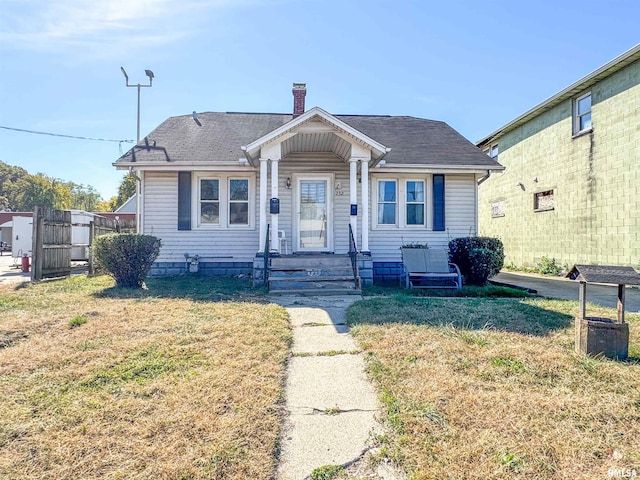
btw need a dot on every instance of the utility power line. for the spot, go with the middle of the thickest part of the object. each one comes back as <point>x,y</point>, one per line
<point>76,137</point>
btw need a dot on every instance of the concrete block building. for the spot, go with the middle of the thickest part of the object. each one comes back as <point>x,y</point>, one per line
<point>570,190</point>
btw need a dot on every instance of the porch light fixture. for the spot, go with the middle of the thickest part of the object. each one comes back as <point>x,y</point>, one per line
<point>288,183</point>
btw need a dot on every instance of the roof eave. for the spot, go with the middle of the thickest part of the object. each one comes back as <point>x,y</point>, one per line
<point>585,82</point>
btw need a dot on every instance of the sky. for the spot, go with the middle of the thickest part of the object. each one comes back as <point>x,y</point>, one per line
<point>473,64</point>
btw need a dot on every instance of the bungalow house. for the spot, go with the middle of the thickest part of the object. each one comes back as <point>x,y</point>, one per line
<point>220,189</point>
<point>570,189</point>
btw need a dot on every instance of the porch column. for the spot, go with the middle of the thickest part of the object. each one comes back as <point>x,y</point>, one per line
<point>263,203</point>
<point>275,241</point>
<point>353,195</point>
<point>364,195</point>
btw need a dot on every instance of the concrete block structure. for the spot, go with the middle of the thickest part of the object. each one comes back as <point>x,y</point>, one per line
<point>570,190</point>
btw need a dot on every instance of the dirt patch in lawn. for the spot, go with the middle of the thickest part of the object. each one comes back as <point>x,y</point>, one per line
<point>98,383</point>
<point>494,390</point>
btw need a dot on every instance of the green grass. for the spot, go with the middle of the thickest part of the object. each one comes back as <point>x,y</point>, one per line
<point>326,472</point>
<point>530,316</point>
<point>466,291</point>
<point>78,321</point>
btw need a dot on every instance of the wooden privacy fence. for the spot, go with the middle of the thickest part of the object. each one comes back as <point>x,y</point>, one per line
<point>52,240</point>
<point>51,252</point>
<point>103,225</point>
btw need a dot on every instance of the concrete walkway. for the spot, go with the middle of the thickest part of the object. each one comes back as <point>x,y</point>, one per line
<point>567,289</point>
<point>331,404</point>
<point>10,271</point>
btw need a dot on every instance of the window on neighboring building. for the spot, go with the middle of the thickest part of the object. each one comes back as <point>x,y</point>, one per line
<point>497,209</point>
<point>387,199</point>
<point>582,113</point>
<point>492,151</point>
<point>210,201</point>
<point>543,201</point>
<point>239,201</point>
<point>415,202</point>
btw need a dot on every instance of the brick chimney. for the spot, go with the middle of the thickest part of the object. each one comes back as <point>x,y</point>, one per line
<point>299,92</point>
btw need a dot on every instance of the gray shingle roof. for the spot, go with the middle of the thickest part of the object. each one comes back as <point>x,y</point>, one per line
<point>220,136</point>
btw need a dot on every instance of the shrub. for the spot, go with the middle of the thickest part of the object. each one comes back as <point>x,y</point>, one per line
<point>481,263</point>
<point>548,266</point>
<point>127,257</point>
<point>478,257</point>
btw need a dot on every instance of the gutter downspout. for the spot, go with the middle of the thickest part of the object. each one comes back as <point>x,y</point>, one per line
<point>138,199</point>
<point>485,178</point>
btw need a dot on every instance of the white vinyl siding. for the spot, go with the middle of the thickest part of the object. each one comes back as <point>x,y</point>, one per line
<point>240,243</point>
<point>219,244</point>
<point>460,219</point>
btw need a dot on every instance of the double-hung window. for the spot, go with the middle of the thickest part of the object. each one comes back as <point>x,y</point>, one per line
<point>209,201</point>
<point>387,201</point>
<point>224,201</point>
<point>582,113</point>
<point>410,202</point>
<point>238,201</point>
<point>415,202</point>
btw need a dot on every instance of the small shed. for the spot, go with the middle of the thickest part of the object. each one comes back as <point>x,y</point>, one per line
<point>603,336</point>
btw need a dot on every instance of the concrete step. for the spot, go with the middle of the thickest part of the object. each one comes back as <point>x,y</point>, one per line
<point>327,291</point>
<point>303,261</point>
<point>333,285</point>
<point>311,272</point>
<point>330,278</point>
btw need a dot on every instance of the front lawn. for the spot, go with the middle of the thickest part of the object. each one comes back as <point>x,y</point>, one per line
<point>492,389</point>
<point>182,381</point>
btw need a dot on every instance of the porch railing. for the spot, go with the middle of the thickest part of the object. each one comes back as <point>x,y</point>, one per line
<point>353,254</point>
<point>266,257</point>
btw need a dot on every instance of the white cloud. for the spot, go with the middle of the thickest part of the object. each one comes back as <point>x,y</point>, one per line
<point>99,27</point>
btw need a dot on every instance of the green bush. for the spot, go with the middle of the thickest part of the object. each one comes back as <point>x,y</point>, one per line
<point>478,257</point>
<point>548,266</point>
<point>127,257</point>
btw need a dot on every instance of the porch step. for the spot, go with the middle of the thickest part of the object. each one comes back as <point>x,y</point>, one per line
<point>311,272</point>
<point>325,292</point>
<point>309,261</point>
<point>312,275</point>
<point>312,279</point>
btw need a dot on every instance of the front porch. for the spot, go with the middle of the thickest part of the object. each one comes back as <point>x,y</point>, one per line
<point>317,168</point>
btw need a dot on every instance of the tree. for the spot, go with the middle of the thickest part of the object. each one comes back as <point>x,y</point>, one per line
<point>83,197</point>
<point>126,189</point>
<point>21,191</point>
<point>32,191</point>
<point>105,205</point>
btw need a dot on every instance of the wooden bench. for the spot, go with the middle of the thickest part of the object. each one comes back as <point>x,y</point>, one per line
<point>423,266</point>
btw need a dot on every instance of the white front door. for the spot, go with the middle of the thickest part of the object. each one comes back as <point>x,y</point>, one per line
<point>314,219</point>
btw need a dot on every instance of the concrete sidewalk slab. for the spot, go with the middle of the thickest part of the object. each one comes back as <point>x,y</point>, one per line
<point>319,440</point>
<point>316,339</point>
<point>338,382</point>
<point>331,405</point>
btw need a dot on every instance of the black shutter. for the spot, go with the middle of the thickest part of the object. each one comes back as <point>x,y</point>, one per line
<point>438,202</point>
<point>184,200</point>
